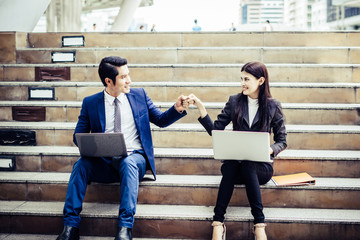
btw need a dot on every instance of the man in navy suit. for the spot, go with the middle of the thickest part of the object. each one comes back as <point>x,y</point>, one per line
<point>98,116</point>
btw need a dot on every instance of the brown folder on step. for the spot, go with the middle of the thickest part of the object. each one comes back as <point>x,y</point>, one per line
<point>298,179</point>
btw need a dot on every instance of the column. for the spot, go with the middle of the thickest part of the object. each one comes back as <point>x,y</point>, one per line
<point>64,16</point>
<point>51,17</point>
<point>70,16</point>
<point>125,15</point>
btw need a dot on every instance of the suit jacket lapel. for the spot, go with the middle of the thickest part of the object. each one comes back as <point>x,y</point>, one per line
<point>256,118</point>
<point>101,111</point>
<point>246,115</point>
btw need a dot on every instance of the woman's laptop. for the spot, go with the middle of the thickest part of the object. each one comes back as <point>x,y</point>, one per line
<point>239,145</point>
<point>101,144</point>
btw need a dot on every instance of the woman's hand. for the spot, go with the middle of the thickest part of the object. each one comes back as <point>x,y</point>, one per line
<point>197,102</point>
<point>271,151</point>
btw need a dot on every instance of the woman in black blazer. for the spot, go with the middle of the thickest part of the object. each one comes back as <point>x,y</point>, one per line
<point>252,110</point>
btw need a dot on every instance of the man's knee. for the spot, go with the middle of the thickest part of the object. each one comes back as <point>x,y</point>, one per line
<point>82,163</point>
<point>83,167</point>
<point>128,166</point>
<point>127,162</point>
<point>134,165</point>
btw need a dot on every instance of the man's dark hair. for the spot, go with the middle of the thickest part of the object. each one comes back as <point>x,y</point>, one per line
<point>108,68</point>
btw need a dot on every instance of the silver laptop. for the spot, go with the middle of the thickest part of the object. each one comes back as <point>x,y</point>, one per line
<point>239,145</point>
<point>101,144</point>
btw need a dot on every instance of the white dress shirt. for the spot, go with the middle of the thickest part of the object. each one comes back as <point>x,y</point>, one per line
<point>128,127</point>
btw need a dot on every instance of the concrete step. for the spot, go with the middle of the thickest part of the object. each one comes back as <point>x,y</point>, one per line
<point>280,72</point>
<point>193,189</point>
<point>180,55</point>
<point>335,137</point>
<point>295,113</point>
<point>203,39</point>
<point>169,221</point>
<point>10,41</point>
<point>206,91</point>
<point>193,161</point>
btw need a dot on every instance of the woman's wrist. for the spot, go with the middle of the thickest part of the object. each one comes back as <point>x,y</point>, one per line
<point>202,111</point>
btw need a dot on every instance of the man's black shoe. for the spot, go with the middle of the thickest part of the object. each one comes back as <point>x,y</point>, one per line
<point>69,233</point>
<point>124,234</point>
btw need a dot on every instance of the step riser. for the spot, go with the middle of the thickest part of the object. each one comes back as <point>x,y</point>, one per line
<point>206,94</point>
<point>246,39</point>
<point>175,228</point>
<point>293,116</point>
<point>9,42</point>
<point>180,56</point>
<point>52,114</point>
<point>179,139</point>
<point>186,166</point>
<point>197,74</point>
<point>316,168</point>
<point>297,116</point>
<point>319,168</point>
<point>346,199</point>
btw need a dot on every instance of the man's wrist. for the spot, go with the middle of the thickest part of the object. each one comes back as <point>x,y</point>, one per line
<point>179,111</point>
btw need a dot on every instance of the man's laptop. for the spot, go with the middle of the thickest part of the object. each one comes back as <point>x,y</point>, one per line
<point>239,145</point>
<point>101,144</point>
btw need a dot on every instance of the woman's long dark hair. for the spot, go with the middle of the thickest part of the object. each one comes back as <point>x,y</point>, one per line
<point>258,70</point>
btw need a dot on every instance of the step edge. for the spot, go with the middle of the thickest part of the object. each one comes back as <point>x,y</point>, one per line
<point>167,180</point>
<point>207,153</point>
<point>205,213</point>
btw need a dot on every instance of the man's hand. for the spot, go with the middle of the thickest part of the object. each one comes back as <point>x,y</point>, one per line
<point>182,103</point>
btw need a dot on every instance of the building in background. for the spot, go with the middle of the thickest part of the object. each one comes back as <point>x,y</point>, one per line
<point>254,13</point>
<point>319,12</point>
<point>298,14</point>
<point>343,14</point>
<point>322,15</point>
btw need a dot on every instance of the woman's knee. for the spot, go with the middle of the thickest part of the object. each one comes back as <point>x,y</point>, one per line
<point>248,165</point>
<point>260,171</point>
<point>247,168</point>
<point>229,168</point>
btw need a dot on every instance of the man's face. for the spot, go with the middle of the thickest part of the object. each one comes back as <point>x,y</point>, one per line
<point>122,83</point>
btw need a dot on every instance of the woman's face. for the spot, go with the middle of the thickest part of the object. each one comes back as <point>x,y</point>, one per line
<point>250,85</point>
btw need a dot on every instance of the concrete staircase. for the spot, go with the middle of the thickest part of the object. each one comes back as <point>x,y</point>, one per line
<point>316,76</point>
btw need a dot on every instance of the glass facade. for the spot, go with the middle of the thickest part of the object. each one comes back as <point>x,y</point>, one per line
<point>332,11</point>
<point>244,14</point>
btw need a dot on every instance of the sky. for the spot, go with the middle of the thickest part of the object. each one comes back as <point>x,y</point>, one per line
<point>179,15</point>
